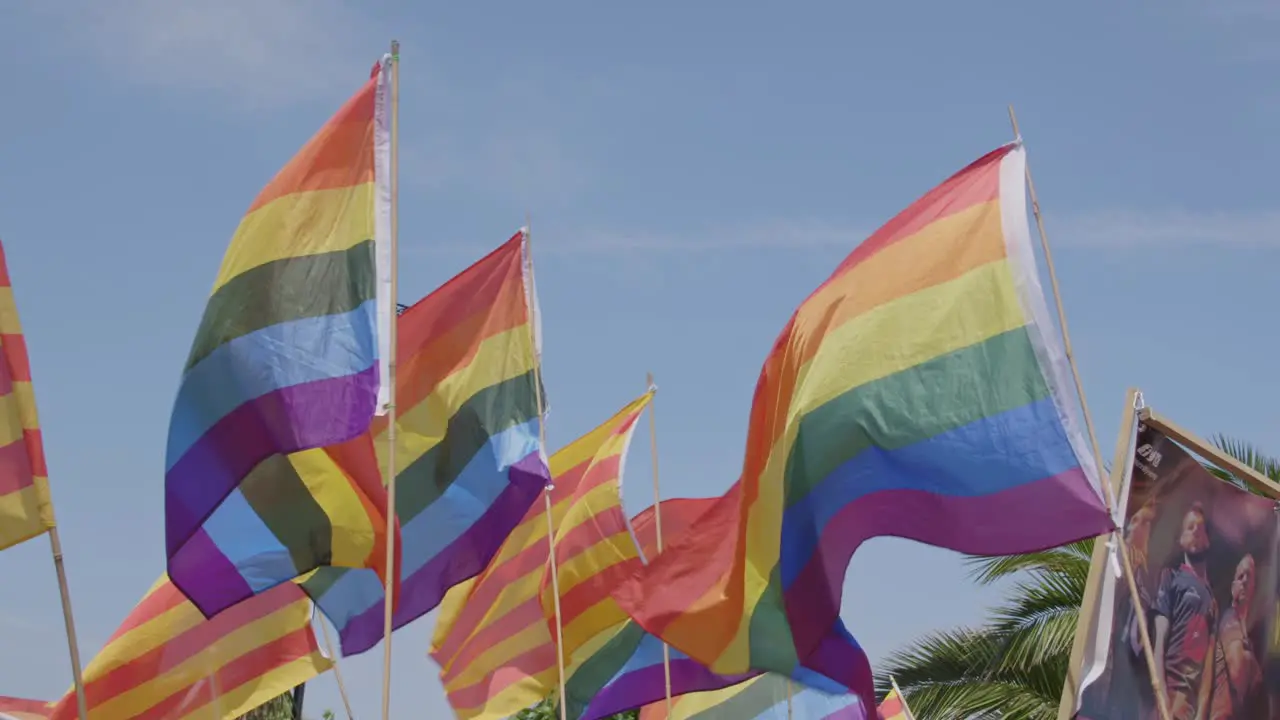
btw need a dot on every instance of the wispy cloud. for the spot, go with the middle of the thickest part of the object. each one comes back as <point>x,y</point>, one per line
<point>1124,229</point>
<point>800,234</point>
<point>791,234</point>
<point>1117,230</point>
<point>250,56</point>
<point>246,51</point>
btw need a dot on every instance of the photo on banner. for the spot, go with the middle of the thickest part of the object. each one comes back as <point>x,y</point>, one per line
<point>1204,555</point>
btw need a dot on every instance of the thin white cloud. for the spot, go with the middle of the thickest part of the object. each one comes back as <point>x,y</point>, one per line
<point>1117,230</point>
<point>245,51</point>
<point>253,56</point>
<point>1124,229</point>
<point>797,234</point>
<point>804,234</point>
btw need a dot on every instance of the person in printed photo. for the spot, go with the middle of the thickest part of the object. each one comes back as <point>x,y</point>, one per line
<point>1185,618</point>
<point>1238,691</point>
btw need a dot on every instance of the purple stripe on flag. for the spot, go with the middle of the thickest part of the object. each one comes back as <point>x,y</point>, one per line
<point>300,417</point>
<point>465,558</point>
<point>648,684</point>
<point>839,657</point>
<point>209,580</point>
<point>852,711</point>
<point>1027,518</point>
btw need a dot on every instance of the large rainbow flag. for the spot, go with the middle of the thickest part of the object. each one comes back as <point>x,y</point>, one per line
<point>920,392</point>
<point>290,355</point>
<point>26,509</point>
<point>762,698</point>
<point>166,661</point>
<point>468,459</point>
<point>493,639</point>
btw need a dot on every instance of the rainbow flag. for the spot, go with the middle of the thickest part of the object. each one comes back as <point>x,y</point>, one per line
<point>677,515</point>
<point>894,706</point>
<point>919,392</point>
<point>12,708</point>
<point>493,639</point>
<point>26,510</point>
<point>622,669</point>
<point>761,698</point>
<point>468,458</point>
<point>290,355</point>
<point>166,661</point>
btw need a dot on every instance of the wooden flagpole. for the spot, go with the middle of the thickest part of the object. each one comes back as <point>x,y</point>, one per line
<point>1260,482</point>
<point>299,694</point>
<point>77,675</point>
<point>906,709</point>
<point>657,520</point>
<point>391,569</point>
<point>1097,566</point>
<point>546,492</point>
<point>1108,493</point>
<point>788,698</point>
<point>337,672</point>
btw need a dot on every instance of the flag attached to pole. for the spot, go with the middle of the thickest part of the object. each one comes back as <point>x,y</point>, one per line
<point>919,392</point>
<point>26,509</point>
<point>290,356</point>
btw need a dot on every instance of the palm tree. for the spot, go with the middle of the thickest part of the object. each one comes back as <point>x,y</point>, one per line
<point>1014,665</point>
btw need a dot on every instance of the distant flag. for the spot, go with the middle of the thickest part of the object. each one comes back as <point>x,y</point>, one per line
<point>761,698</point>
<point>621,667</point>
<point>291,355</point>
<point>12,708</point>
<point>595,547</point>
<point>622,670</point>
<point>919,392</point>
<point>468,456</point>
<point>166,661</point>
<point>894,706</point>
<point>26,509</point>
<point>493,639</point>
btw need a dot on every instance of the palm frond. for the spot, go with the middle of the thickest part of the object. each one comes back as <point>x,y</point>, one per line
<point>1013,666</point>
<point>955,675</point>
<point>1073,559</point>
<point>1248,454</point>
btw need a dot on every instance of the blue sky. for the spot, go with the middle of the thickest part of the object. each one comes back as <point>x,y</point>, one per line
<point>692,171</point>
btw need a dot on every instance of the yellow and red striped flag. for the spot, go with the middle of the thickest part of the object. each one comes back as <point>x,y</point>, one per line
<point>595,547</point>
<point>894,707</point>
<point>166,661</point>
<point>26,509</point>
<point>492,640</point>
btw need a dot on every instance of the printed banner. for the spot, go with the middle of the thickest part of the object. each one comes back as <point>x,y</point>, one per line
<point>1205,561</point>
